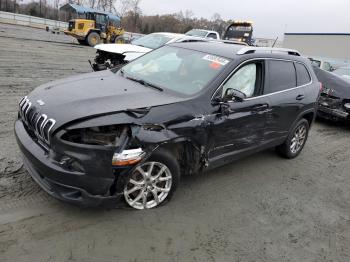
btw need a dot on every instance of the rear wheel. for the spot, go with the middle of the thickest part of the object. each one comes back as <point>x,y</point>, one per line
<point>296,140</point>
<point>153,182</point>
<point>93,39</point>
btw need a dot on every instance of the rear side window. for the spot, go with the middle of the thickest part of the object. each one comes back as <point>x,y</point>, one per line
<point>212,35</point>
<point>282,76</point>
<point>303,76</point>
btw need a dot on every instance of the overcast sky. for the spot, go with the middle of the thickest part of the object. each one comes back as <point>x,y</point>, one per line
<point>271,17</point>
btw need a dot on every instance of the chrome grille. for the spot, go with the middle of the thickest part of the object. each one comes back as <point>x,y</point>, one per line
<point>40,124</point>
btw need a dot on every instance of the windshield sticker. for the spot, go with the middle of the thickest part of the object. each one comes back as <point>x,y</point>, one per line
<point>214,65</point>
<point>216,59</point>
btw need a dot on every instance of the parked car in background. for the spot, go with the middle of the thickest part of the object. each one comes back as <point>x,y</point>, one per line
<point>204,33</point>
<point>320,63</point>
<point>114,55</point>
<point>179,110</point>
<point>343,72</point>
<point>334,101</point>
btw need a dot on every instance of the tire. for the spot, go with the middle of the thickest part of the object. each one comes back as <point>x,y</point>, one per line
<point>82,42</point>
<point>119,40</point>
<point>286,149</point>
<point>93,39</point>
<point>140,190</point>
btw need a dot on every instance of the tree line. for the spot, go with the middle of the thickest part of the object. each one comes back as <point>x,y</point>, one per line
<point>132,18</point>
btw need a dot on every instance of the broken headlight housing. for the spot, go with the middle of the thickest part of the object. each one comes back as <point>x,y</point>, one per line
<point>101,135</point>
<point>107,136</point>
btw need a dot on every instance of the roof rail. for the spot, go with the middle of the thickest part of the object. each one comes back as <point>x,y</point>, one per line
<point>229,42</point>
<point>253,49</point>
<point>186,40</point>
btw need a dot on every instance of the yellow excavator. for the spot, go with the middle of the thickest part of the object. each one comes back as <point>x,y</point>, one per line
<point>93,27</point>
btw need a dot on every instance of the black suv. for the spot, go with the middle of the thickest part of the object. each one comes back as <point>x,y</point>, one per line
<point>181,109</point>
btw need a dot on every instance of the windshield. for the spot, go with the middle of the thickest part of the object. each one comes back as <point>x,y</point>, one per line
<point>195,32</point>
<point>152,41</point>
<point>342,71</point>
<point>180,70</point>
<point>315,62</point>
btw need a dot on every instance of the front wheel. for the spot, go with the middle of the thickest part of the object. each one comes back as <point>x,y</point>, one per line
<point>153,182</point>
<point>296,140</point>
<point>119,40</point>
<point>93,39</point>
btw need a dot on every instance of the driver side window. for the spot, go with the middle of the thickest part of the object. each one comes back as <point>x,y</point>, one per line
<point>244,80</point>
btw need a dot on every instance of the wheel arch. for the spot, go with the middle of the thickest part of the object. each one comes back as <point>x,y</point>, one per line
<point>309,115</point>
<point>92,31</point>
<point>187,154</point>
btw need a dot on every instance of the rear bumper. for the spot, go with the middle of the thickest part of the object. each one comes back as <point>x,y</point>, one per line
<point>70,186</point>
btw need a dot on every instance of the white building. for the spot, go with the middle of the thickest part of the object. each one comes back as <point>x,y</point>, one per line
<point>332,45</point>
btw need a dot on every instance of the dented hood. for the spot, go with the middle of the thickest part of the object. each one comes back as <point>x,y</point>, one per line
<point>94,94</point>
<point>128,50</point>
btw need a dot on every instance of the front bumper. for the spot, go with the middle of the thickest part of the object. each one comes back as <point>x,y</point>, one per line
<point>81,188</point>
<point>332,113</point>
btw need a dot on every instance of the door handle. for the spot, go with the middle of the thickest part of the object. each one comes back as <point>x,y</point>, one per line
<point>300,97</point>
<point>260,107</point>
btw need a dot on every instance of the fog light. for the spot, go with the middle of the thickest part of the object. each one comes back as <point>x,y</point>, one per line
<point>128,157</point>
<point>347,105</point>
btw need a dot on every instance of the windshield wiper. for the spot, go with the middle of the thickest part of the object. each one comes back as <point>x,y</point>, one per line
<point>145,83</point>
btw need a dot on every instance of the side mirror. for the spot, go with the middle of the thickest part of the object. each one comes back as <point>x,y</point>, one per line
<point>233,95</point>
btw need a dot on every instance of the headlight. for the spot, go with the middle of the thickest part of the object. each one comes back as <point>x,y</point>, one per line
<point>128,157</point>
<point>347,105</point>
<point>102,135</point>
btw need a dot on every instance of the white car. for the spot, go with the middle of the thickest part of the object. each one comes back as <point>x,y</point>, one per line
<point>204,33</point>
<point>115,55</point>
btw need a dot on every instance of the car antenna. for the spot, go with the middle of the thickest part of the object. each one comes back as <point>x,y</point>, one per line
<point>273,45</point>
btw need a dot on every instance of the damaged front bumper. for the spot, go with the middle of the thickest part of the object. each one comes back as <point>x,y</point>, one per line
<point>92,183</point>
<point>332,108</point>
<point>333,113</point>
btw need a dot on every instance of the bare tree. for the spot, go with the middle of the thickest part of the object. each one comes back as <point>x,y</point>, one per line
<point>136,11</point>
<point>216,17</point>
<point>123,6</point>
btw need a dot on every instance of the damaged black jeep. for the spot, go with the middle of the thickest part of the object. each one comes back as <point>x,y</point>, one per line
<point>179,110</point>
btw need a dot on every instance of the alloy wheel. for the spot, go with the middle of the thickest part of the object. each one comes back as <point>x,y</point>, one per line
<point>149,185</point>
<point>298,139</point>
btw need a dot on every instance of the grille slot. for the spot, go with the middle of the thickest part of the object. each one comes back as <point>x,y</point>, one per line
<point>40,124</point>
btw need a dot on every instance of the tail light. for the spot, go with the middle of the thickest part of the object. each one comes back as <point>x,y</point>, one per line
<point>321,86</point>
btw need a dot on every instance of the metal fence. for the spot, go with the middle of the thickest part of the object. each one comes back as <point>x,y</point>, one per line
<point>32,21</point>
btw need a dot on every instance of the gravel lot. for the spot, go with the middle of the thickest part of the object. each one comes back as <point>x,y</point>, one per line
<point>262,208</point>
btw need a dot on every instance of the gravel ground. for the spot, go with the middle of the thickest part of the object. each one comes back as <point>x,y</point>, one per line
<point>262,208</point>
